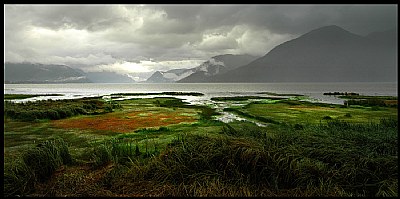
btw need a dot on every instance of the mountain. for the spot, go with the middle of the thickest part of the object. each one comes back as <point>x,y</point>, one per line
<point>388,37</point>
<point>327,54</point>
<point>216,65</point>
<point>169,76</point>
<point>108,77</point>
<point>40,73</point>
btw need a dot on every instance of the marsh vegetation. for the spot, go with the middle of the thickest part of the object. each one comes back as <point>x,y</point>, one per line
<point>165,147</point>
<point>25,96</point>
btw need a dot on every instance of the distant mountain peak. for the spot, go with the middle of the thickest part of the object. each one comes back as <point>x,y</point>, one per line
<point>215,65</point>
<point>333,32</point>
<point>328,29</point>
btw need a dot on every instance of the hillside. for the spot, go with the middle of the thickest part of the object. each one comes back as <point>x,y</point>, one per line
<point>40,73</point>
<point>327,54</point>
<point>108,77</point>
<point>217,65</point>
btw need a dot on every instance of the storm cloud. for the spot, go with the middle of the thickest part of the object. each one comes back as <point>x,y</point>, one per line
<point>145,38</point>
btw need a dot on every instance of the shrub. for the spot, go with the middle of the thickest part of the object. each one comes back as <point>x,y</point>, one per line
<point>108,109</point>
<point>46,158</point>
<point>327,118</point>
<point>101,155</point>
<point>298,127</point>
<point>49,109</point>
<point>34,165</point>
<point>207,113</point>
<point>347,115</point>
<point>18,179</point>
<point>52,114</point>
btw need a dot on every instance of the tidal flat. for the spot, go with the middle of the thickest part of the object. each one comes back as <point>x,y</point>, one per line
<point>163,146</point>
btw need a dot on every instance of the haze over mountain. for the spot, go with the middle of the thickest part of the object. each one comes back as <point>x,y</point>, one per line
<point>108,77</point>
<point>40,73</point>
<point>51,73</point>
<point>169,76</point>
<point>327,54</point>
<point>216,65</point>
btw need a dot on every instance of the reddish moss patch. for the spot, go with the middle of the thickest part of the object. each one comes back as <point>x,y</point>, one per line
<point>124,122</point>
<point>391,102</point>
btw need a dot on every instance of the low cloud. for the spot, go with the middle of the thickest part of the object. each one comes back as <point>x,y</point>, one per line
<point>146,67</point>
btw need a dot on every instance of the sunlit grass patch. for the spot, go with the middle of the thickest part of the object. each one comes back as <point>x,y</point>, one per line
<point>306,112</point>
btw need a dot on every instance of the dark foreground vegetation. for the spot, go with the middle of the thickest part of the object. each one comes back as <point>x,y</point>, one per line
<point>210,158</point>
<point>336,159</point>
<point>25,96</point>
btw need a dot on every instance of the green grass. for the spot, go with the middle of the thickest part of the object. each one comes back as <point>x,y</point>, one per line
<point>241,159</point>
<point>305,112</point>
<point>354,153</point>
<point>35,165</point>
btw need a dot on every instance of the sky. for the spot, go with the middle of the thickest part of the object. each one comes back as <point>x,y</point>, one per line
<point>141,39</point>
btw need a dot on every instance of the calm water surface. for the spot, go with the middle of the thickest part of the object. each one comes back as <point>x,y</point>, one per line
<point>313,90</point>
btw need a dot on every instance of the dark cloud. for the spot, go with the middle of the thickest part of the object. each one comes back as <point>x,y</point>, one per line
<point>75,16</point>
<point>105,34</point>
<point>289,19</point>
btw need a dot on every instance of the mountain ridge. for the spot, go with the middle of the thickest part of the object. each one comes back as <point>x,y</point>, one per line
<point>42,73</point>
<point>215,65</point>
<point>326,54</point>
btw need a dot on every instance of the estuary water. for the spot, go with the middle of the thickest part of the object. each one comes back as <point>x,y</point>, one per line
<point>312,91</point>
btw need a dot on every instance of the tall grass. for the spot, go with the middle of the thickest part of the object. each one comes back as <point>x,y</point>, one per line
<point>123,151</point>
<point>328,159</point>
<point>334,159</point>
<point>18,178</point>
<point>36,165</point>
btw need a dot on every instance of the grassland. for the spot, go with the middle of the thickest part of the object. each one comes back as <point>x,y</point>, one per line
<point>165,147</point>
<point>294,112</point>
